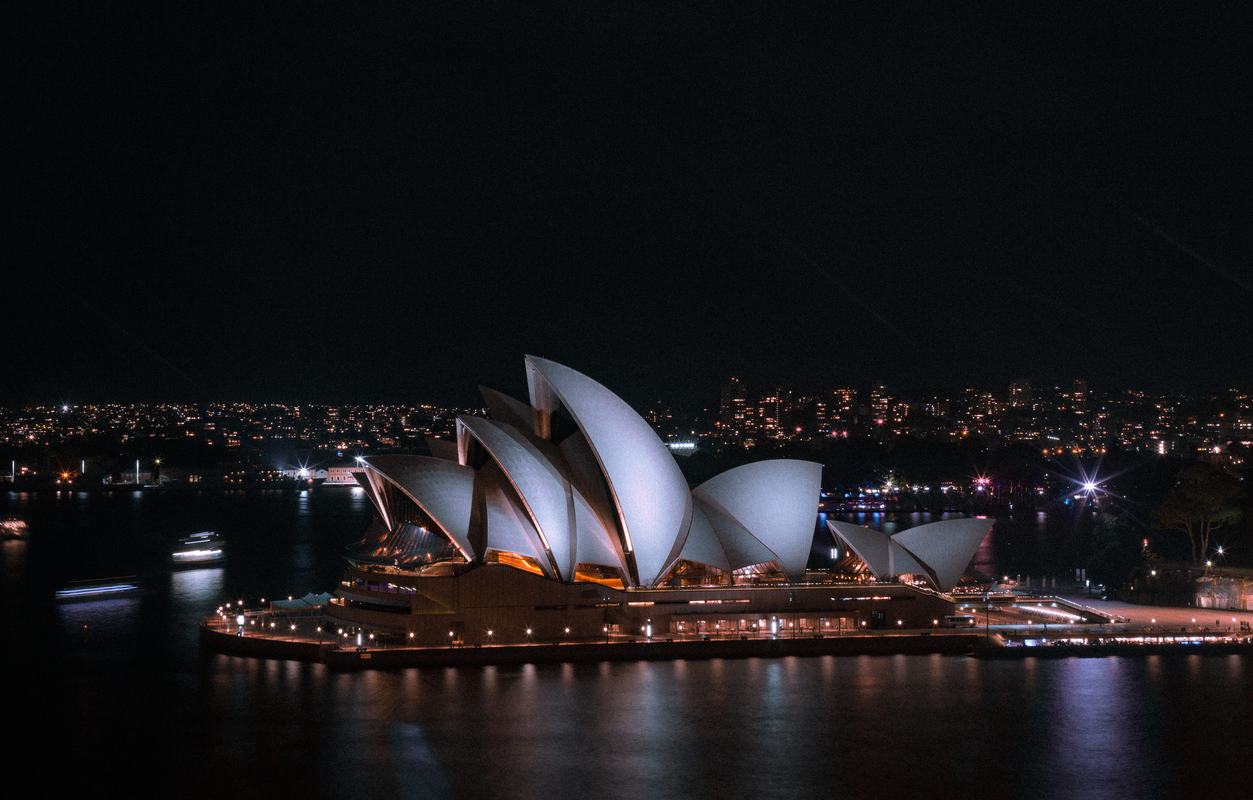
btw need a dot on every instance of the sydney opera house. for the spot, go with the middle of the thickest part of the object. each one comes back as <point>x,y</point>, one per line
<point>566,517</point>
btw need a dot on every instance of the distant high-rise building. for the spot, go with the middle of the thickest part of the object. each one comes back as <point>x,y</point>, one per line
<point>836,411</point>
<point>736,414</point>
<point>880,404</point>
<point>1020,394</point>
<point>1079,395</point>
<point>774,413</point>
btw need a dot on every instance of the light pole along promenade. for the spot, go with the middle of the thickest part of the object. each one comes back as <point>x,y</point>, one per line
<point>306,636</point>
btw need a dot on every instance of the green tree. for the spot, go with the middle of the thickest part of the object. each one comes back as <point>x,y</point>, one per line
<point>1203,499</point>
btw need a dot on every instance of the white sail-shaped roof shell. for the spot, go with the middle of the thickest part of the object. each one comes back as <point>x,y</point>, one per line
<point>508,528</point>
<point>945,547</point>
<point>702,544</point>
<point>742,549</point>
<point>775,501</point>
<point>543,491</point>
<point>503,408</point>
<point>939,551</point>
<point>883,555</point>
<point>648,490</point>
<point>594,544</point>
<point>570,530</point>
<point>869,545</point>
<point>442,448</point>
<point>444,490</point>
<point>366,479</point>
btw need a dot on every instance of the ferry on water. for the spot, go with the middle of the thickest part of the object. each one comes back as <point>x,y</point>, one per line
<point>13,528</point>
<point>199,550</point>
<point>100,589</point>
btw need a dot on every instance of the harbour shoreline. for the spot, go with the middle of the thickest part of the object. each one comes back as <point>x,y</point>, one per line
<point>980,645</point>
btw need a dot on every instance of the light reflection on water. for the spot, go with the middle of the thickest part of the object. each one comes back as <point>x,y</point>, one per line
<point>1078,727</point>
<point>199,588</point>
<point>794,727</point>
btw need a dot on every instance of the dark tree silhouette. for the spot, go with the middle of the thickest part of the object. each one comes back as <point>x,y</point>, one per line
<point>1203,499</point>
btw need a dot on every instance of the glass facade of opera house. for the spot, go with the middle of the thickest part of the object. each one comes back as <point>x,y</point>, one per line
<point>566,517</point>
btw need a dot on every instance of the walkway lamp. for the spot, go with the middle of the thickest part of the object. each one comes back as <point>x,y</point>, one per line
<point>239,620</point>
<point>528,635</point>
<point>605,630</point>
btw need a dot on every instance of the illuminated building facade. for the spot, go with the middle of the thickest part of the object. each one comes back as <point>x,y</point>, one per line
<point>566,516</point>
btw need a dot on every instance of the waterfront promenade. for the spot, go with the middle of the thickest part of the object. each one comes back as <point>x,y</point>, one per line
<point>340,651</point>
<point>308,635</point>
<point>1170,617</point>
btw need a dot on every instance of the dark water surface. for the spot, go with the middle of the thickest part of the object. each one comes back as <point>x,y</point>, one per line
<point>121,694</point>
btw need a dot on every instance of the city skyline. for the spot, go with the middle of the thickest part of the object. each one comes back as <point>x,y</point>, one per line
<point>1074,419</point>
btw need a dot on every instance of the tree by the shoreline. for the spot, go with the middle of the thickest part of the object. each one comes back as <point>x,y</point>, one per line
<point>1204,498</point>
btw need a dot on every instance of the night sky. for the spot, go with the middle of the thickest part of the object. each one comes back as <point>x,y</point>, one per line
<point>315,202</point>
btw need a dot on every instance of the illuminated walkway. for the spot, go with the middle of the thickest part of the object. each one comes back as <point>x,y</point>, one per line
<point>1169,617</point>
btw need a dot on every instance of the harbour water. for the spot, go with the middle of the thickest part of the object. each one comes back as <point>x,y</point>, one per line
<point>125,698</point>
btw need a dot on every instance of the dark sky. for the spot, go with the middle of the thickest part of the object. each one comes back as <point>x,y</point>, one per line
<point>315,202</point>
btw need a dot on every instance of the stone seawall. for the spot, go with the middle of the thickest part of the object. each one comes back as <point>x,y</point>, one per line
<point>399,657</point>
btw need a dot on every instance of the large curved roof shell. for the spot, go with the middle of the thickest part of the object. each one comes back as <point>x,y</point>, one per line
<point>584,474</point>
<point>869,545</point>
<point>702,543</point>
<point>442,448</point>
<point>594,544</point>
<point>503,408</point>
<point>366,480</point>
<point>741,547</point>
<point>544,493</point>
<point>776,501</point>
<point>508,528</point>
<point>443,490</point>
<point>595,541</point>
<point>945,547</point>
<point>649,492</point>
<point>883,555</point>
